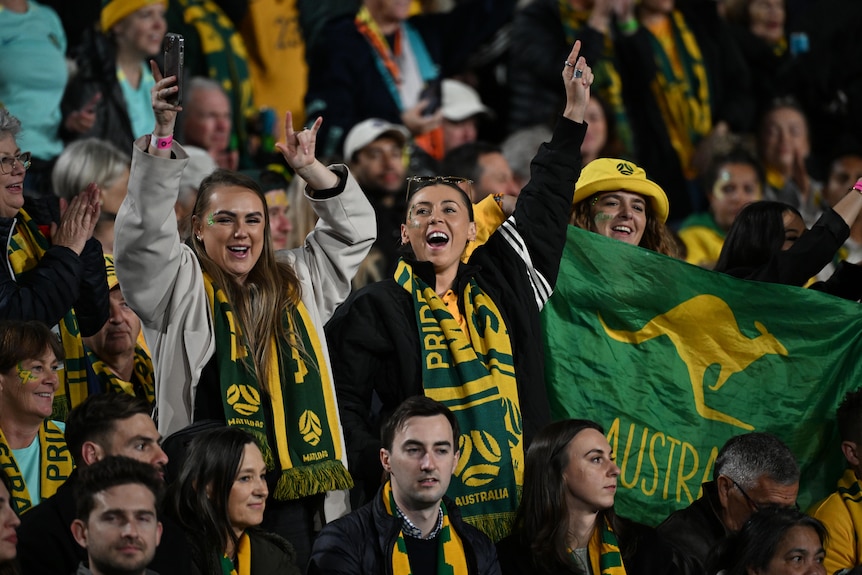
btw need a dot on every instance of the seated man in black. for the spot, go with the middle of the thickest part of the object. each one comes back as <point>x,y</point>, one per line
<point>103,425</point>
<point>410,525</point>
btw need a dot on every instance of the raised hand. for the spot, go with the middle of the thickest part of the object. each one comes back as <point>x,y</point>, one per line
<point>82,120</point>
<point>166,113</point>
<point>415,120</point>
<point>577,78</point>
<point>298,151</point>
<point>298,147</point>
<point>79,220</point>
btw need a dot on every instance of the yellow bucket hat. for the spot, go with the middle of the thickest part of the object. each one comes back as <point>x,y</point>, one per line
<point>611,174</point>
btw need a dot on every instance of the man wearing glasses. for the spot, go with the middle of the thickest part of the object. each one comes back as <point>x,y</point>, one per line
<point>753,470</point>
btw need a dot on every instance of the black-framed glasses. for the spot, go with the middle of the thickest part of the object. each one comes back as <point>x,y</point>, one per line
<point>7,163</point>
<point>416,183</point>
<point>754,504</point>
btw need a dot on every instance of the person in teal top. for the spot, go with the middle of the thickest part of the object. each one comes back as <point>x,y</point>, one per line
<point>33,75</point>
<point>114,80</point>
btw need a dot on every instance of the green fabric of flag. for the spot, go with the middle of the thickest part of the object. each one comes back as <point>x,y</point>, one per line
<point>673,360</point>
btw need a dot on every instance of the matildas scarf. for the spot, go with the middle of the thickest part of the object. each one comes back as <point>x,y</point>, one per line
<point>54,469</point>
<point>607,80</point>
<point>387,58</point>
<point>26,248</point>
<point>142,384</point>
<point>604,552</point>
<point>243,558</point>
<point>450,551</point>
<point>473,374</point>
<point>681,88</point>
<point>304,442</point>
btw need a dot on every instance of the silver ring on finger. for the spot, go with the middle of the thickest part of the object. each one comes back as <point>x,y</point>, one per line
<point>578,74</point>
<point>568,64</point>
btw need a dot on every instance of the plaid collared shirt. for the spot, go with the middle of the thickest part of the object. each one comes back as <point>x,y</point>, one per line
<point>410,530</point>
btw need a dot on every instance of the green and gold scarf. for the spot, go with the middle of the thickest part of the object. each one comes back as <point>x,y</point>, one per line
<point>243,558</point>
<point>226,58</point>
<point>26,248</point>
<point>603,551</point>
<point>308,444</point>
<point>142,385</point>
<point>607,80</point>
<point>451,559</point>
<point>681,89</point>
<point>55,467</point>
<point>473,374</point>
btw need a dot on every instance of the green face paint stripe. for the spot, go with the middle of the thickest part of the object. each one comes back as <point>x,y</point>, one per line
<point>210,220</point>
<point>601,216</point>
<point>25,375</point>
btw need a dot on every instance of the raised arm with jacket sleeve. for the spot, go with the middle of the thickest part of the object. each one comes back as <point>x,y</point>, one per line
<point>163,282</point>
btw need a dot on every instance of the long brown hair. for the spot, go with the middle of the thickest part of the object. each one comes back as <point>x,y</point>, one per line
<point>542,520</point>
<point>657,237</point>
<point>270,288</point>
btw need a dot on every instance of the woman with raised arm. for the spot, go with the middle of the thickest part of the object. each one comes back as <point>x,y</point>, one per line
<point>236,329</point>
<point>465,334</point>
<point>769,242</point>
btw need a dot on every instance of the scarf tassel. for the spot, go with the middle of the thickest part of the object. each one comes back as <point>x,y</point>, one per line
<point>298,482</point>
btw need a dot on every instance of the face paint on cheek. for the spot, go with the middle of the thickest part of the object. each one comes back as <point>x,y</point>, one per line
<point>411,221</point>
<point>210,220</point>
<point>720,181</point>
<point>601,217</point>
<point>25,375</point>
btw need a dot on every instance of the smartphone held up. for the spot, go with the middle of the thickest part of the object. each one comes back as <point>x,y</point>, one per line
<point>173,64</point>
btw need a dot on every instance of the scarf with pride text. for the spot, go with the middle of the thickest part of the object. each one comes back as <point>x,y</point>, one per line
<point>26,248</point>
<point>142,384</point>
<point>473,374</point>
<point>603,551</point>
<point>681,88</point>
<point>54,469</point>
<point>308,445</point>
<point>450,551</point>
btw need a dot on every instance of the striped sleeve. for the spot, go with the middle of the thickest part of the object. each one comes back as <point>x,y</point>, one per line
<point>542,289</point>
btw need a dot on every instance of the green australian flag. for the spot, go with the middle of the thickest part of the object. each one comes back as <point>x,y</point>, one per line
<point>673,360</point>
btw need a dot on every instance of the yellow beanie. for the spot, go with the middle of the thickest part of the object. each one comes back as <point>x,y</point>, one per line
<point>611,175</point>
<point>115,10</point>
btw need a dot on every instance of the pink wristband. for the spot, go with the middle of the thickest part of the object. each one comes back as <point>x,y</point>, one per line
<point>163,143</point>
<point>858,187</point>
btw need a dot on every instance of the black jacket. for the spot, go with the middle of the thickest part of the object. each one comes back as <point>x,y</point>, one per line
<point>270,555</point>
<point>694,531</point>
<point>374,339</point>
<point>97,73</point>
<point>60,281</point>
<point>807,256</point>
<point>345,85</point>
<point>362,542</point>
<point>644,552</point>
<point>46,545</point>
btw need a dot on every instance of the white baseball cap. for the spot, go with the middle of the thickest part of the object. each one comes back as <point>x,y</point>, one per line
<point>460,102</point>
<point>369,130</point>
